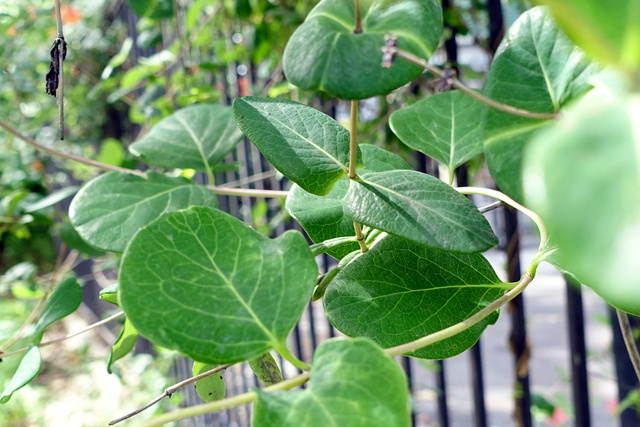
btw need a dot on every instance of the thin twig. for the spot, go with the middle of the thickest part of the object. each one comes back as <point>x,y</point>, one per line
<point>353,163</point>
<point>492,206</point>
<point>57,153</point>
<point>248,180</point>
<point>390,50</point>
<point>219,405</point>
<point>61,54</point>
<point>169,391</point>
<point>66,337</point>
<point>248,192</point>
<point>629,340</point>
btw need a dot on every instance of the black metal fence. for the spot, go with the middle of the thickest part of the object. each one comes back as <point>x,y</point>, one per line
<point>461,391</point>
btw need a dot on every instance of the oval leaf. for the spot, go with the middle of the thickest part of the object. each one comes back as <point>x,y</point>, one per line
<point>27,371</point>
<point>418,207</point>
<point>592,208</point>
<point>64,300</point>
<point>322,217</point>
<point>538,69</point>
<point>123,345</point>
<point>443,126</point>
<point>197,137</point>
<point>353,384</point>
<point>399,291</point>
<point>109,210</point>
<point>325,54</point>
<point>307,146</point>
<point>203,283</point>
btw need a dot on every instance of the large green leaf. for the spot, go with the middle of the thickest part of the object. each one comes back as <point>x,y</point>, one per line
<point>202,282</point>
<point>418,207</point>
<point>27,371</point>
<point>607,30</point>
<point>583,178</point>
<point>112,207</point>
<point>536,68</point>
<point>196,137</point>
<point>307,146</point>
<point>325,54</point>
<point>322,217</point>
<point>399,291</point>
<point>443,126</point>
<point>64,300</point>
<point>353,384</point>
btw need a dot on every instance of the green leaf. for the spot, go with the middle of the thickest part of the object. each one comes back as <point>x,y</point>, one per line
<point>51,199</point>
<point>538,69</point>
<point>196,137</point>
<point>109,210</point>
<point>72,239</point>
<point>353,384</point>
<point>583,178</point>
<point>64,300</point>
<point>607,30</point>
<point>203,283</point>
<point>110,294</point>
<point>443,126</point>
<point>399,291</point>
<point>123,345</point>
<point>266,368</point>
<point>325,54</point>
<point>418,207</point>
<point>322,217</point>
<point>118,59</point>
<point>27,371</point>
<point>307,146</point>
<point>209,388</point>
<point>156,9</point>
<point>111,152</point>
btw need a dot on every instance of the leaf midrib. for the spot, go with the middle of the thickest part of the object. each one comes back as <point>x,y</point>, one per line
<point>414,201</point>
<point>229,284</point>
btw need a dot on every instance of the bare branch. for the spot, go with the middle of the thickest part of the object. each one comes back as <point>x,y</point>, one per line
<point>169,391</point>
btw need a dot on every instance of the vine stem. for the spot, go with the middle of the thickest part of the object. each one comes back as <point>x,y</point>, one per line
<point>358,15</point>
<point>465,324</point>
<point>57,153</point>
<point>353,161</point>
<point>169,391</point>
<point>408,56</point>
<point>629,340</point>
<point>219,405</point>
<point>66,337</point>
<point>289,357</point>
<point>509,201</point>
<point>227,191</point>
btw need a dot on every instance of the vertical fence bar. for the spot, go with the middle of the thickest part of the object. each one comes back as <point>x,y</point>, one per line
<point>627,379</point>
<point>475,352</point>
<point>441,384</point>
<point>578,353</point>
<point>518,337</point>
<point>477,384</point>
